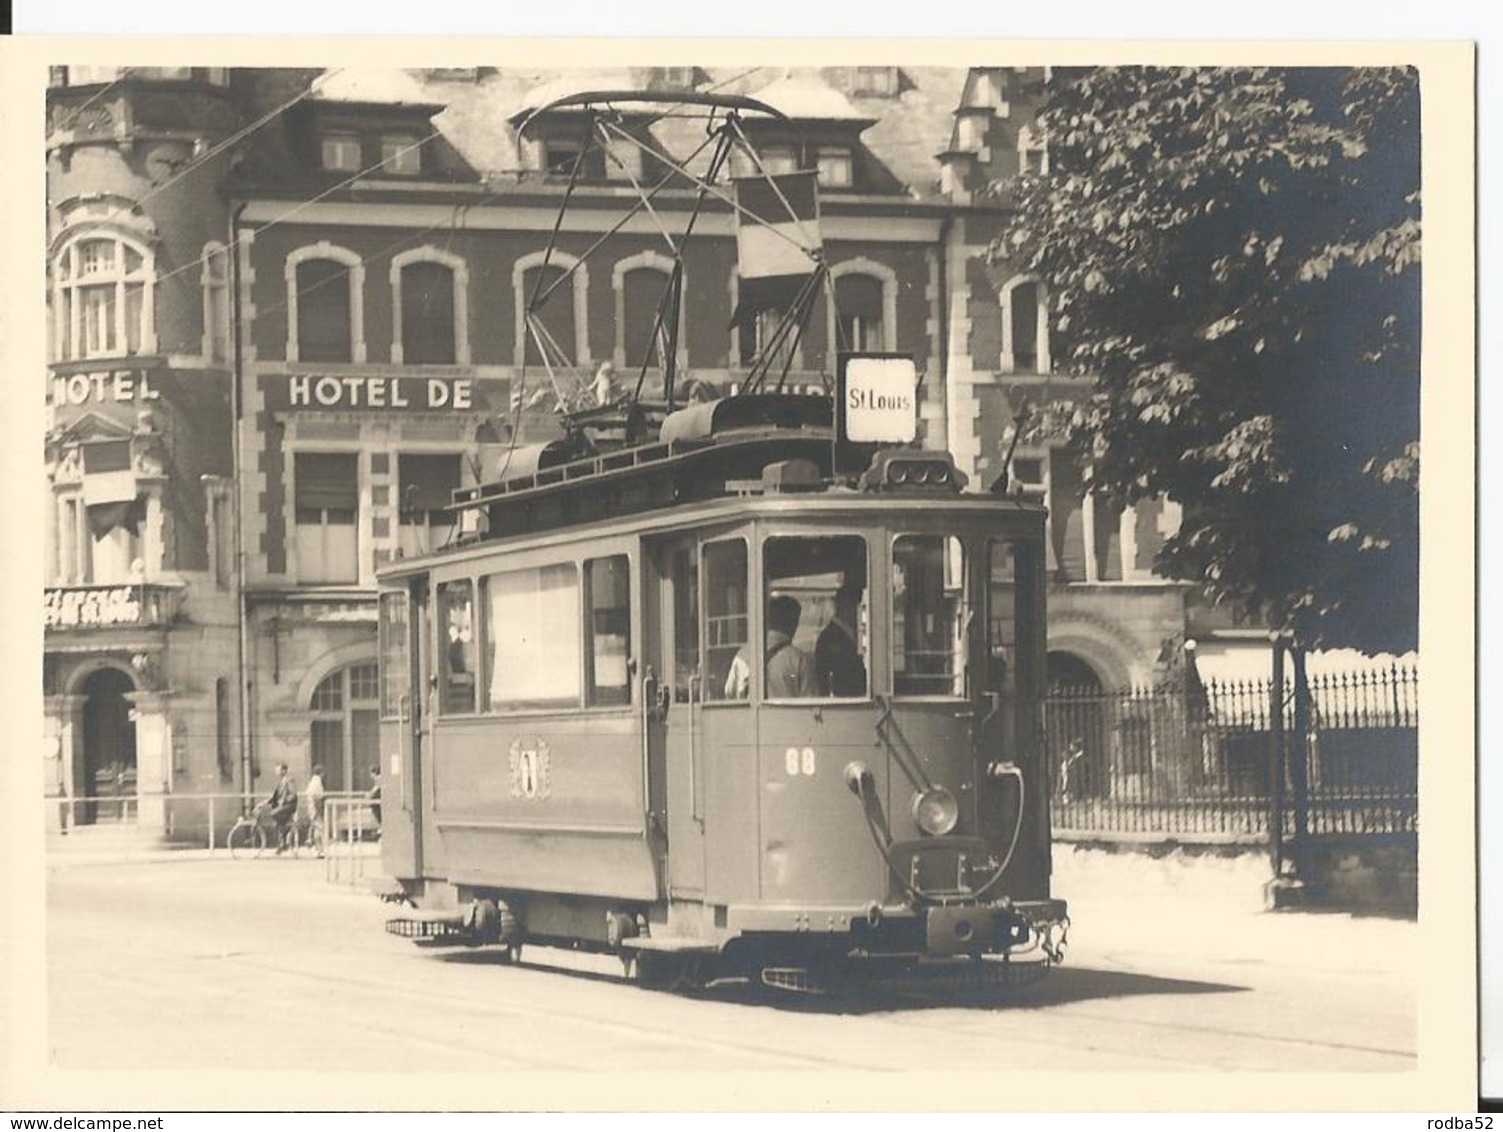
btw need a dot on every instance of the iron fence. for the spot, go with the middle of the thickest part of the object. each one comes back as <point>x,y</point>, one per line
<point>1192,759</point>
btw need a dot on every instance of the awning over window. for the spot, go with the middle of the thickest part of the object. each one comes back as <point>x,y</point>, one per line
<point>105,517</point>
<point>108,476</point>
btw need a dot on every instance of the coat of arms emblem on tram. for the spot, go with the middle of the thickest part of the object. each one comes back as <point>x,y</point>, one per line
<point>531,769</point>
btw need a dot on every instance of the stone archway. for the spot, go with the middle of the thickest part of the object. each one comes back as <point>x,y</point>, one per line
<point>104,763</point>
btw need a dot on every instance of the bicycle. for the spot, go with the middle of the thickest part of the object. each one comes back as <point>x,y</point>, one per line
<point>254,833</point>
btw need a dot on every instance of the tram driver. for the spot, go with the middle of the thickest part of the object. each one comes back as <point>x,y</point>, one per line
<point>788,668</point>
<point>837,656</point>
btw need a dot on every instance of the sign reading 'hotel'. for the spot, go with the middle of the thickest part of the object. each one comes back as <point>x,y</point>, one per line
<point>314,391</point>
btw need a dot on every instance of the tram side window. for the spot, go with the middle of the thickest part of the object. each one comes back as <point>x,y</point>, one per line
<point>827,580</point>
<point>533,637</point>
<point>392,631</point>
<point>456,613</point>
<point>727,624</point>
<point>608,629</point>
<point>929,614</point>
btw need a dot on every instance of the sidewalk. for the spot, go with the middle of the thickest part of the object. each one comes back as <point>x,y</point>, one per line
<point>66,851</point>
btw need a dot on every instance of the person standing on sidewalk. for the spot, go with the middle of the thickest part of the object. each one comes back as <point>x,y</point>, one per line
<point>314,793</point>
<point>373,795</point>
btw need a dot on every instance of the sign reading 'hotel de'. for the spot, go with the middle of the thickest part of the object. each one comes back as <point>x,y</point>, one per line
<point>362,391</point>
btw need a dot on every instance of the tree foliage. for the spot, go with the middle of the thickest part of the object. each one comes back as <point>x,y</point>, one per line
<point>1233,256</point>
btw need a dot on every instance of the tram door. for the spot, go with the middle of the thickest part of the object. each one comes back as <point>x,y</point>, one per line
<point>674,782</point>
<point>420,720</point>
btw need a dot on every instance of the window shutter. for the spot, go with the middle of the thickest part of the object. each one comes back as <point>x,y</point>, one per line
<point>327,481</point>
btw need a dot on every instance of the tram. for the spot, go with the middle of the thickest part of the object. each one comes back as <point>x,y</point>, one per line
<point>746,687</point>
<point>708,704</point>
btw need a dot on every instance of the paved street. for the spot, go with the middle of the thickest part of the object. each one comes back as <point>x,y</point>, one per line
<point>186,957</point>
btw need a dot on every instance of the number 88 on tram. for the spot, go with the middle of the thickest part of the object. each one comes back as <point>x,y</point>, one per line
<point>759,698</point>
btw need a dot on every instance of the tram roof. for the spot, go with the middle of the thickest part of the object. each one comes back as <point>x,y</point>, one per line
<point>714,462</point>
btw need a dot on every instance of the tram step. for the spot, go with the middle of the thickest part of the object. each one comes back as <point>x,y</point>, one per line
<point>668,944</point>
<point>423,924</point>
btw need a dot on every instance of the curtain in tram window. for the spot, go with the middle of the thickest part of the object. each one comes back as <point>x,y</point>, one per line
<point>535,631</point>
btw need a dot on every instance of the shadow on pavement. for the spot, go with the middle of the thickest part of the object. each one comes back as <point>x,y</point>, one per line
<point>1058,988</point>
<point>1061,986</point>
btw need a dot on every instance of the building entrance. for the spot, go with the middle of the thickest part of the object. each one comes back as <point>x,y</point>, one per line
<point>345,737</point>
<point>109,749</point>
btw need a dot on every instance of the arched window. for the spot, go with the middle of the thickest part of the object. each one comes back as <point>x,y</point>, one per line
<point>325,319</point>
<point>866,305</point>
<point>640,282</point>
<point>344,737</point>
<point>103,294</point>
<point>641,293</point>
<point>216,284</point>
<point>1025,327</point>
<point>429,297</point>
<point>562,321</point>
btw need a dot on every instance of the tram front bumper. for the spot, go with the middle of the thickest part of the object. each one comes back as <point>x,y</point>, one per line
<point>937,930</point>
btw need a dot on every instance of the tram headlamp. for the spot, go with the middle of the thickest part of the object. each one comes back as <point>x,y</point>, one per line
<point>935,811</point>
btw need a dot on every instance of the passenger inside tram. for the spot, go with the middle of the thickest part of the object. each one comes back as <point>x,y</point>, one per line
<point>788,668</point>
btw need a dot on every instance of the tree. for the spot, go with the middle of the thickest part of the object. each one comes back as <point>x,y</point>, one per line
<point>1234,259</point>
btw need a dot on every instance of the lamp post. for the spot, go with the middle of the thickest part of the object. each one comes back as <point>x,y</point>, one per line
<point>1288,862</point>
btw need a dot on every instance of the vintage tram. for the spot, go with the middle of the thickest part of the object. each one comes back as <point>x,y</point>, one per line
<point>715,704</point>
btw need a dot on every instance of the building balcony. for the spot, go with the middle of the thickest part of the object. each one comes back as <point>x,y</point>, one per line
<point>130,605</point>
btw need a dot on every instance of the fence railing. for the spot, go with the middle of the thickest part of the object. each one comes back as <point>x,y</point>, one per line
<point>203,821</point>
<point>1193,758</point>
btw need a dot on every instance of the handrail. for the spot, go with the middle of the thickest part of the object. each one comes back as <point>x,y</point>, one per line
<point>695,682</point>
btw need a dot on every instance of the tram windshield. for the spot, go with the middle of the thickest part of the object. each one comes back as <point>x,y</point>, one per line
<point>815,617</point>
<point>929,616</point>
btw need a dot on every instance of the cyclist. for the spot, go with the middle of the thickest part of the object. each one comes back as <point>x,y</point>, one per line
<point>314,793</point>
<point>283,804</point>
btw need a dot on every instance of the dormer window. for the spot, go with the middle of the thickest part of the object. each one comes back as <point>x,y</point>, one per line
<point>401,155</point>
<point>779,159</point>
<point>834,168</point>
<point>970,132</point>
<point>341,152</point>
<point>879,81</point>
<point>559,155</point>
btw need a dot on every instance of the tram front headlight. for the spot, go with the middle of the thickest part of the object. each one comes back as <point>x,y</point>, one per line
<point>935,811</point>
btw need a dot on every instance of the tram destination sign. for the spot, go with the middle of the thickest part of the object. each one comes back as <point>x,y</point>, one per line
<point>877,399</point>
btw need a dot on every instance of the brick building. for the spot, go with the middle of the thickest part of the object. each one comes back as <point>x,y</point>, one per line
<point>287,313</point>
